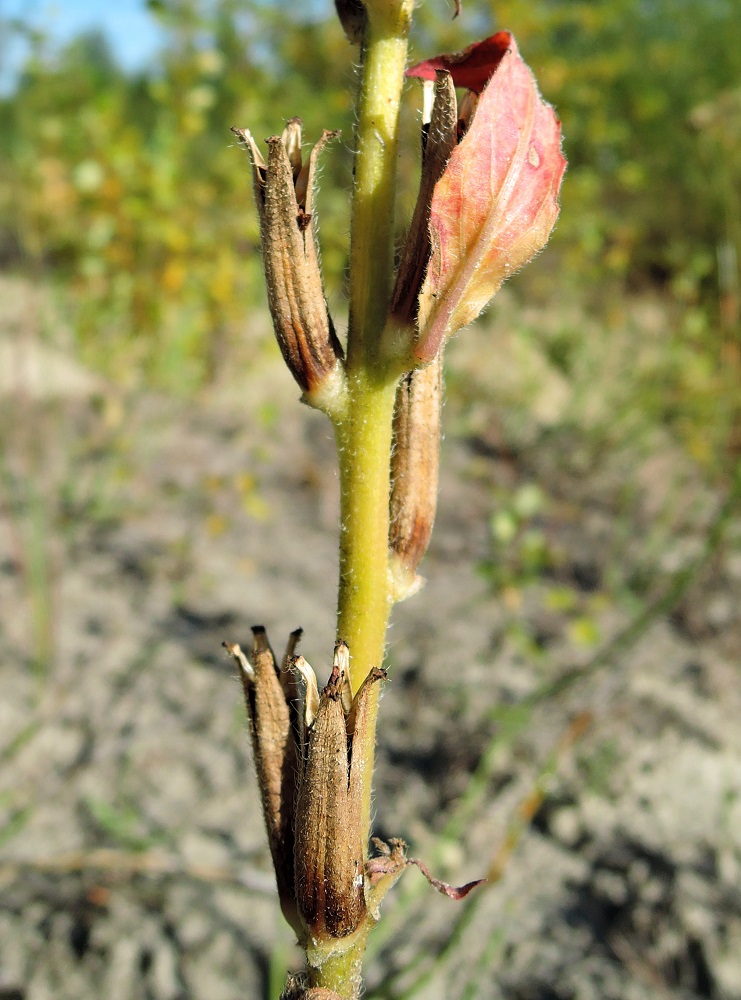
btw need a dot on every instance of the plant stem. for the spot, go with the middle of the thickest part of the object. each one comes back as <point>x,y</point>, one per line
<point>372,231</point>
<point>341,972</point>
<point>364,447</point>
<point>364,432</point>
<point>363,429</point>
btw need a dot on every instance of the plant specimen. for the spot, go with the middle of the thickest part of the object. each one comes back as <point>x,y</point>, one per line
<point>488,200</point>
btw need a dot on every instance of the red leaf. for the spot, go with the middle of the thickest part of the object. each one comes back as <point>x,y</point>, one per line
<point>495,205</point>
<point>473,67</point>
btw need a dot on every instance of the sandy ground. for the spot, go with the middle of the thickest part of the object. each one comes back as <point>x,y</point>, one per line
<point>567,684</point>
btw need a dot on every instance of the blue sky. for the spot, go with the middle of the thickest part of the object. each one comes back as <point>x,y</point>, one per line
<point>133,32</point>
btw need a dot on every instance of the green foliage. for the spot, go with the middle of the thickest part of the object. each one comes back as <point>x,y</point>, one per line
<point>520,548</point>
<point>522,556</point>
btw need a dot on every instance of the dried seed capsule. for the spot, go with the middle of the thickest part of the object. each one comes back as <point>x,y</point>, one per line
<point>275,759</point>
<point>361,733</point>
<point>329,852</point>
<point>439,138</point>
<point>414,475</point>
<point>331,828</point>
<point>353,18</point>
<point>311,755</point>
<point>306,702</point>
<point>295,989</point>
<point>303,326</point>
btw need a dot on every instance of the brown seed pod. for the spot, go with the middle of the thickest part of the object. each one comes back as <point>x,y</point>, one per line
<point>414,471</point>
<point>284,194</point>
<point>276,763</point>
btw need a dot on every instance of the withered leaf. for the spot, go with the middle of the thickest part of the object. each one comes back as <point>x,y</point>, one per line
<point>451,891</point>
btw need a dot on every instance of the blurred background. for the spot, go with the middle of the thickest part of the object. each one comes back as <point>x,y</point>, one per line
<point>160,491</point>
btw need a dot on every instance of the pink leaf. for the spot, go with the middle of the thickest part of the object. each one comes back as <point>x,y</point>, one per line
<point>473,67</point>
<point>495,205</point>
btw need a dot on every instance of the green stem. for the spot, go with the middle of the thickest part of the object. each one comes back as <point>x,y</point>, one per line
<point>363,428</point>
<point>341,972</point>
<point>372,231</point>
<point>364,432</point>
<point>364,446</point>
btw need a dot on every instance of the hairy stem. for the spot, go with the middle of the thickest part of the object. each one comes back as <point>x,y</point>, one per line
<point>363,428</point>
<point>341,972</point>
<point>364,432</point>
<point>364,445</point>
<point>372,232</point>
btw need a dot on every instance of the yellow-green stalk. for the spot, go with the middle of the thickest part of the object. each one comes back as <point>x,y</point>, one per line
<point>364,429</point>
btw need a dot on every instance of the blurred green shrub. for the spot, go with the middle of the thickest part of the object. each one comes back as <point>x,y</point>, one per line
<point>520,548</point>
